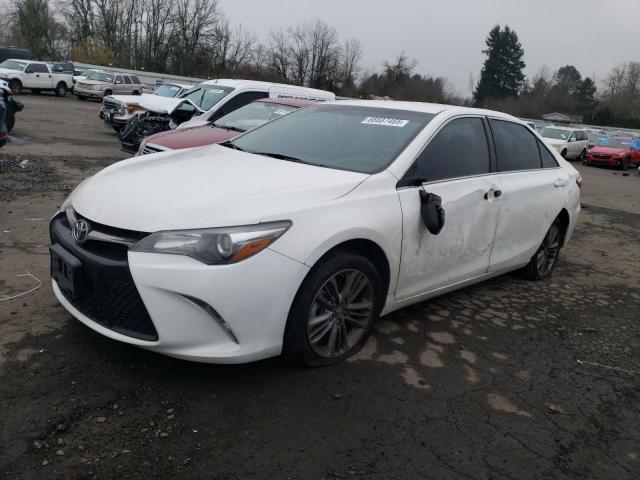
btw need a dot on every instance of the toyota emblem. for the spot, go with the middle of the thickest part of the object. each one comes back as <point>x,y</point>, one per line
<point>80,231</point>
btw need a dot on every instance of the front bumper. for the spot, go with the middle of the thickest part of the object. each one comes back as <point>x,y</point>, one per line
<point>611,161</point>
<point>252,297</point>
<point>84,92</point>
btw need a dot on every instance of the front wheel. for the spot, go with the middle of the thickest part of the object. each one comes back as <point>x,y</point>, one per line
<point>541,264</point>
<point>15,86</point>
<point>334,310</point>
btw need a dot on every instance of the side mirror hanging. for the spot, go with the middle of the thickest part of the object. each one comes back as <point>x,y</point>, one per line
<point>431,211</point>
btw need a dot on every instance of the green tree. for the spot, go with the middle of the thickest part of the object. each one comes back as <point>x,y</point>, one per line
<point>502,73</point>
<point>567,80</point>
<point>586,96</point>
<point>37,28</point>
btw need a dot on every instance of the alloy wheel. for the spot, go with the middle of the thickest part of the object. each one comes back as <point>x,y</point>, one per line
<point>340,313</point>
<point>548,252</point>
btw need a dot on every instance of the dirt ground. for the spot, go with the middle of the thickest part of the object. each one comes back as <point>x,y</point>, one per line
<point>508,379</point>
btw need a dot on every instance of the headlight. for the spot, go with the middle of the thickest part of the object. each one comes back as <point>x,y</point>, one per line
<point>97,87</point>
<point>214,246</point>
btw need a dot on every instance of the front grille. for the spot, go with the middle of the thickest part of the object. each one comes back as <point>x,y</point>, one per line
<point>111,105</point>
<point>601,156</point>
<point>106,291</point>
<point>152,149</point>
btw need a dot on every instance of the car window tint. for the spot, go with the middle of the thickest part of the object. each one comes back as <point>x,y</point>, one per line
<point>39,68</point>
<point>548,160</point>
<point>233,103</point>
<point>136,80</point>
<point>516,147</point>
<point>127,80</point>
<point>460,149</point>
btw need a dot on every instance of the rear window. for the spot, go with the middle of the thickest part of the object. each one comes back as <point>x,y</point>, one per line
<point>355,138</point>
<point>168,91</point>
<point>136,80</point>
<point>101,77</point>
<point>253,115</point>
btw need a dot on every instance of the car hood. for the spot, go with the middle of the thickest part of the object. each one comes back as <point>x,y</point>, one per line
<point>191,137</point>
<point>608,150</point>
<point>554,142</point>
<point>8,71</point>
<point>128,99</point>
<point>210,186</point>
<point>158,104</point>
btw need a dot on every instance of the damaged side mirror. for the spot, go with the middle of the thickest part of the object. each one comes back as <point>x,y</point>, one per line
<point>431,211</point>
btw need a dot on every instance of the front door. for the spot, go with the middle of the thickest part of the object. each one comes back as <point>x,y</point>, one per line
<point>455,165</point>
<point>38,76</point>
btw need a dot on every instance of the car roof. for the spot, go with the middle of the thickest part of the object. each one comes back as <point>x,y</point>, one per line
<point>238,83</point>
<point>292,102</point>
<point>432,108</point>
<point>566,129</point>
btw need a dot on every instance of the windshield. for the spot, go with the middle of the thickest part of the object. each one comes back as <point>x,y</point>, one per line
<point>556,133</point>
<point>253,115</point>
<point>206,96</point>
<point>360,139</point>
<point>168,91</point>
<point>101,77</point>
<point>613,142</point>
<point>13,65</point>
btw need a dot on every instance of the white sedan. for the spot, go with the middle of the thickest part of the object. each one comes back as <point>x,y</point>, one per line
<point>296,236</point>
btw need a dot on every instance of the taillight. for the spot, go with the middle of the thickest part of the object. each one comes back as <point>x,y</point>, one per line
<point>579,181</point>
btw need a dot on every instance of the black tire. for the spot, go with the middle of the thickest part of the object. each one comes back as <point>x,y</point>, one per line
<point>298,346</point>
<point>16,86</point>
<point>61,89</point>
<point>107,93</point>
<point>585,161</point>
<point>583,157</point>
<point>563,154</point>
<point>81,97</point>
<point>136,92</point>
<point>626,164</point>
<point>10,119</point>
<point>117,128</point>
<point>620,164</point>
<point>550,248</point>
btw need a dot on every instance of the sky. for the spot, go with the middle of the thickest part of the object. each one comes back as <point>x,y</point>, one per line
<point>446,37</point>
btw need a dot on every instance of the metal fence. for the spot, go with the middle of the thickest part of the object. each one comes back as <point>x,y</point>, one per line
<point>149,78</point>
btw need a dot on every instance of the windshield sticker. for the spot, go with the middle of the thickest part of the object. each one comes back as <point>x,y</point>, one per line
<point>387,122</point>
<point>281,111</point>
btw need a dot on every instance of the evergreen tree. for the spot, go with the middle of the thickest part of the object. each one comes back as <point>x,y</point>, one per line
<point>501,74</point>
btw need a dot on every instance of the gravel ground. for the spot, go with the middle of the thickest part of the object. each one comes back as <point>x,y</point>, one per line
<point>507,379</point>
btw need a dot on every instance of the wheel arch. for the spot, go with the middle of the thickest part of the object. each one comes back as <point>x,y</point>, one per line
<point>564,217</point>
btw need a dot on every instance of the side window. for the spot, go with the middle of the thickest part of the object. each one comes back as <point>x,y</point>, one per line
<point>119,79</point>
<point>136,80</point>
<point>127,80</point>
<point>38,68</point>
<point>459,149</point>
<point>236,102</point>
<point>582,136</point>
<point>548,160</point>
<point>58,67</point>
<point>573,137</point>
<point>516,147</point>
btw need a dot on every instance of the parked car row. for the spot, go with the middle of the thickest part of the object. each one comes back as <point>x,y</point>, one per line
<point>309,221</point>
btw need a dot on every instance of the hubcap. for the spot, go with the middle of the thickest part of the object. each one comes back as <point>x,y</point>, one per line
<point>340,313</point>
<point>548,252</point>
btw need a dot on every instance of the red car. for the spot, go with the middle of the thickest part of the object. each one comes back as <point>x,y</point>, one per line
<point>621,152</point>
<point>224,128</point>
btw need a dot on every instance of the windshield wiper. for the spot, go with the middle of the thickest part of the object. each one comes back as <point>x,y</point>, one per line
<point>224,127</point>
<point>281,156</point>
<point>230,144</point>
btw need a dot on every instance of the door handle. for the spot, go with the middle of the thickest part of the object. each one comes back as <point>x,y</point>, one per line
<point>561,182</point>
<point>492,194</point>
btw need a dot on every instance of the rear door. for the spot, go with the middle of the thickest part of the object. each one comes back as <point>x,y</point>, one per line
<point>457,166</point>
<point>119,86</point>
<point>533,194</point>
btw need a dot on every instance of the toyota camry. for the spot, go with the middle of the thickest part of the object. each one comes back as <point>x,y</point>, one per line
<point>295,237</point>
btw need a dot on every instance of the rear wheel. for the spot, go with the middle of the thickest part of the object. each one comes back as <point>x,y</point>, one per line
<point>626,164</point>
<point>61,89</point>
<point>334,310</point>
<point>136,92</point>
<point>541,264</point>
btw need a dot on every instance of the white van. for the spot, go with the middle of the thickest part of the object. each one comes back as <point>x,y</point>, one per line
<point>233,94</point>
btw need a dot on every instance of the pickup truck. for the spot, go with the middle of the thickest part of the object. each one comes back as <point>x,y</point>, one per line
<point>37,76</point>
